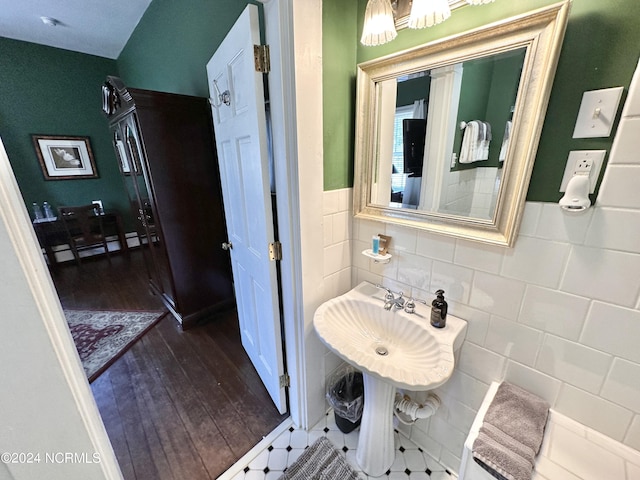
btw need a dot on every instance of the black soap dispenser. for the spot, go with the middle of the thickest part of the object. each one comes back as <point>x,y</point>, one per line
<point>439,310</point>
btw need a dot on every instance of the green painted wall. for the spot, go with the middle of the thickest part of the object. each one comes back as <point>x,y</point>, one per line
<point>488,92</point>
<point>339,43</point>
<point>504,88</point>
<point>172,44</point>
<point>47,90</point>
<point>474,99</point>
<point>50,91</point>
<point>600,50</point>
<point>408,91</point>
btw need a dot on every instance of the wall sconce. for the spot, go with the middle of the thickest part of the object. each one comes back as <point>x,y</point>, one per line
<point>383,18</point>
<point>427,13</point>
<point>379,24</point>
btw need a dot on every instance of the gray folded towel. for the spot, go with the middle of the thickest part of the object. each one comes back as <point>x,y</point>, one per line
<point>511,434</point>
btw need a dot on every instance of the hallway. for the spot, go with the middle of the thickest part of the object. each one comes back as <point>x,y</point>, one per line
<point>177,404</point>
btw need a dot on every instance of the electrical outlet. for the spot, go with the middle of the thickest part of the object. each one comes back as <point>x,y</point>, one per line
<point>583,166</point>
<point>583,162</point>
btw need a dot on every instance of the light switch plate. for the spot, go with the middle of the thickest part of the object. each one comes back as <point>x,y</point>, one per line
<point>597,113</point>
<point>594,158</point>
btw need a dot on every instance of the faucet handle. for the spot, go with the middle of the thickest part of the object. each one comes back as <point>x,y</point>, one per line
<point>389,295</point>
<point>410,305</point>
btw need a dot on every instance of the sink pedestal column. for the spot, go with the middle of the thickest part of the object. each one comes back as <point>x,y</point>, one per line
<point>376,450</point>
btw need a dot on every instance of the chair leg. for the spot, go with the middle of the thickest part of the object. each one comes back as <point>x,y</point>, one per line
<point>75,252</point>
<point>105,244</point>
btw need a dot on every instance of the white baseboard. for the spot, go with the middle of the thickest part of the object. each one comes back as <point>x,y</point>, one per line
<point>63,252</point>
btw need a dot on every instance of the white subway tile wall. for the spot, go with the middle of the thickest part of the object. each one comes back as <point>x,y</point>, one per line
<point>633,434</point>
<point>594,411</point>
<point>558,314</point>
<point>568,333</point>
<point>338,255</point>
<point>632,104</point>
<point>564,326</point>
<point>626,150</point>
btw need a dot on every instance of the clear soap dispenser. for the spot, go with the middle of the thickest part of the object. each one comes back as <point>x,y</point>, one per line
<point>439,309</point>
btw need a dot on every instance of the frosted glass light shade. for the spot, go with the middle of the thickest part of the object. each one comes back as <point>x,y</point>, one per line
<point>427,13</point>
<point>479,2</point>
<point>379,25</point>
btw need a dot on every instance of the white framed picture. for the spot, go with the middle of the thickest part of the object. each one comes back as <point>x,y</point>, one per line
<point>64,158</point>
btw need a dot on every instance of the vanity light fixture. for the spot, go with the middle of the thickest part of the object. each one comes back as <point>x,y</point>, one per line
<point>427,13</point>
<point>383,17</point>
<point>379,24</point>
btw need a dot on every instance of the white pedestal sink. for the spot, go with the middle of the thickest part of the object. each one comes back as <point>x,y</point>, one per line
<point>393,349</point>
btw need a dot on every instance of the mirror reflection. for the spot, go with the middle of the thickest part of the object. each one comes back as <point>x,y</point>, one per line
<point>447,132</point>
<point>443,135</point>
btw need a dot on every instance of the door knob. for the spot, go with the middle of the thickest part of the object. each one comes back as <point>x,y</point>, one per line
<point>227,246</point>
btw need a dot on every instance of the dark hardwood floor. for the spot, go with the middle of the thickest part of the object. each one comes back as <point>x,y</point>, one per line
<point>99,285</point>
<point>178,404</point>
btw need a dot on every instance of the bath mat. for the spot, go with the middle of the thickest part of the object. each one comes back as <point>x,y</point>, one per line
<point>320,461</point>
<point>101,337</point>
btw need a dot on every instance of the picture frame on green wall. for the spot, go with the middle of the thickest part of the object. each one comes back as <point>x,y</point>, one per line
<point>65,158</point>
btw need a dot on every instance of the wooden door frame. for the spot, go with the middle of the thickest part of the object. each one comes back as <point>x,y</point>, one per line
<point>52,323</point>
<point>293,29</point>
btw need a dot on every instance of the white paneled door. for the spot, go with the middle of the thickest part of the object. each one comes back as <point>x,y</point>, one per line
<point>238,107</point>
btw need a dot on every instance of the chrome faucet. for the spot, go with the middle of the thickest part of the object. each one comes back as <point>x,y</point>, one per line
<point>390,300</point>
<point>410,305</point>
<point>397,302</point>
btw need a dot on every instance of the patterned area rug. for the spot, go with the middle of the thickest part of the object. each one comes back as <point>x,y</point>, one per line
<point>101,337</point>
<point>320,461</point>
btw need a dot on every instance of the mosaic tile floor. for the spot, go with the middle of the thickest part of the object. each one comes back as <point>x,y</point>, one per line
<point>411,463</point>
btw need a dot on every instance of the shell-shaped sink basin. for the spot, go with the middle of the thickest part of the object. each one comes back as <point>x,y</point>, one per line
<point>400,348</point>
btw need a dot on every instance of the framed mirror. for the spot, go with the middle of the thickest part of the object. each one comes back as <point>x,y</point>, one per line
<point>447,132</point>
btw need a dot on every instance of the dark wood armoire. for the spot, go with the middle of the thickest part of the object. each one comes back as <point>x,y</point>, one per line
<point>167,156</point>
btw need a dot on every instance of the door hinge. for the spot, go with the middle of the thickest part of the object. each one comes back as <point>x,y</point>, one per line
<point>275,251</point>
<point>285,381</point>
<point>262,58</point>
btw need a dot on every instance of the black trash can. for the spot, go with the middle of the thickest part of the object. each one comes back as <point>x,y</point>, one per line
<point>346,395</point>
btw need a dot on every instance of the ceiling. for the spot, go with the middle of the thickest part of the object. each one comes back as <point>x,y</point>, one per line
<point>95,27</point>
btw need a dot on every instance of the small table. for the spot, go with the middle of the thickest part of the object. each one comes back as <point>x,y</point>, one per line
<point>51,232</point>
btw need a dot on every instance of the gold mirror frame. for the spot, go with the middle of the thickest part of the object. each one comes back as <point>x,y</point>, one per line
<point>541,32</point>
